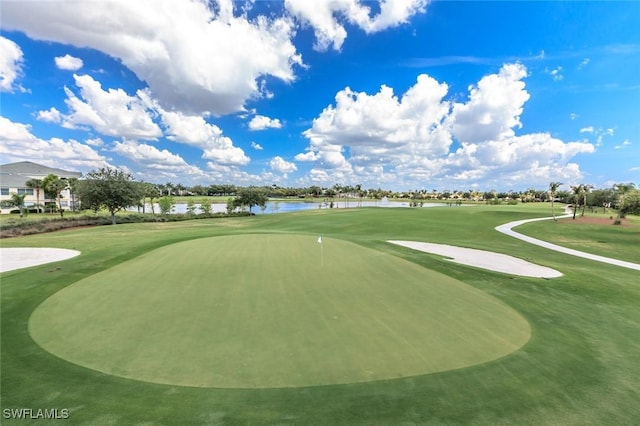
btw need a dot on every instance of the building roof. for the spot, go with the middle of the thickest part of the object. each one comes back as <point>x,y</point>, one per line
<point>15,175</point>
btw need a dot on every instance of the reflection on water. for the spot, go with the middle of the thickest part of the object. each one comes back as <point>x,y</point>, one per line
<point>291,206</point>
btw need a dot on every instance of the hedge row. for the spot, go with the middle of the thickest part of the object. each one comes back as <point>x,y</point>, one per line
<point>18,227</point>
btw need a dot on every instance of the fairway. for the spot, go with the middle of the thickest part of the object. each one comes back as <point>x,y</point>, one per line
<point>273,311</point>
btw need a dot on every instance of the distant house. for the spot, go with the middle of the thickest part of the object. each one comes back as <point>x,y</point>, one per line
<point>14,177</point>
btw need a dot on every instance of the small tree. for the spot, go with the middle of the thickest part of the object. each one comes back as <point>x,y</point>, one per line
<point>191,208</point>
<point>586,188</point>
<point>205,206</point>
<point>249,197</point>
<point>152,191</point>
<point>36,184</point>
<point>166,204</point>
<point>578,190</point>
<point>112,189</point>
<point>631,203</point>
<point>54,186</point>
<point>553,189</point>
<point>622,189</point>
<point>72,185</point>
<point>17,200</point>
<point>231,205</point>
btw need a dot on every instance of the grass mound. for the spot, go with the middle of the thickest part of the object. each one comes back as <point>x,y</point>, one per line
<point>273,310</point>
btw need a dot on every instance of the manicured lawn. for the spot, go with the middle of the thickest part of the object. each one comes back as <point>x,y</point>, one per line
<point>580,365</point>
<point>264,310</point>
<point>602,238</point>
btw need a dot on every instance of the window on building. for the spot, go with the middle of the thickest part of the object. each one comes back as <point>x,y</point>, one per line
<point>28,191</point>
<point>4,191</point>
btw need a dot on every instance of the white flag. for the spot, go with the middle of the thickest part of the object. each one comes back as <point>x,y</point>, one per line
<point>320,239</point>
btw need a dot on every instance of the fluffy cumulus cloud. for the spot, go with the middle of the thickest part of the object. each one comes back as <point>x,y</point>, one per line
<point>280,165</point>
<point>110,112</point>
<point>156,162</point>
<point>52,115</point>
<point>386,139</point>
<point>380,130</point>
<point>17,143</point>
<point>131,118</point>
<point>327,17</point>
<point>68,62</point>
<point>494,106</point>
<point>194,57</point>
<point>10,64</point>
<point>194,130</point>
<point>260,122</point>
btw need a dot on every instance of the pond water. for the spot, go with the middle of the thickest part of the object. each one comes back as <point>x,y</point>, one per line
<point>292,206</point>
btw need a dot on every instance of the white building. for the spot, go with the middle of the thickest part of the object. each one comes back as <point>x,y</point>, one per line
<point>13,180</point>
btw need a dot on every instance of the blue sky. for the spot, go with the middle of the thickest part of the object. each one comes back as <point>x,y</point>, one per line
<point>394,94</point>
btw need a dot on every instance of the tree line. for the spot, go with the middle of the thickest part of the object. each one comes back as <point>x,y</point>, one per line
<point>115,190</point>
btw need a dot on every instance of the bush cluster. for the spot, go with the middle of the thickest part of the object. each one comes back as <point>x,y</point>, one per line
<point>17,227</point>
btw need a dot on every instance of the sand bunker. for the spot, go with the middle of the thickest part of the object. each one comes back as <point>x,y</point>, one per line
<point>483,259</point>
<point>24,257</point>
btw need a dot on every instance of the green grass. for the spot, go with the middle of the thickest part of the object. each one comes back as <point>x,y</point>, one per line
<point>579,367</point>
<point>619,242</point>
<point>264,310</point>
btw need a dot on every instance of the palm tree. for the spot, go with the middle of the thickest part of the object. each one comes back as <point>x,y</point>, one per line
<point>358,189</point>
<point>17,200</point>
<point>37,185</point>
<point>169,187</point>
<point>53,185</point>
<point>586,188</point>
<point>553,189</point>
<point>578,190</point>
<point>338,188</point>
<point>72,185</point>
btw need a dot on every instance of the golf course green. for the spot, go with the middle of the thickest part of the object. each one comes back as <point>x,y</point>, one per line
<point>249,320</point>
<point>273,310</point>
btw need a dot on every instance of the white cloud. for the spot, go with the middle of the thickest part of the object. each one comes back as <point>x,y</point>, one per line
<point>624,144</point>
<point>112,112</point>
<point>280,165</point>
<point>584,63</point>
<point>494,106</point>
<point>194,130</point>
<point>157,164</point>
<point>17,143</point>
<point>388,140</point>
<point>588,129</point>
<point>68,62</point>
<point>260,122</point>
<point>556,73</point>
<point>97,142</point>
<point>193,58</point>
<point>327,17</point>
<point>10,65</point>
<point>308,156</point>
<point>256,146</point>
<point>225,173</point>
<point>52,115</point>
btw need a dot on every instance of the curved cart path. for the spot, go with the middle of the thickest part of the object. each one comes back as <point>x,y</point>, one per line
<point>507,229</point>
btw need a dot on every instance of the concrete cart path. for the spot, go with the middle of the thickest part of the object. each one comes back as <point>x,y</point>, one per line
<point>507,229</point>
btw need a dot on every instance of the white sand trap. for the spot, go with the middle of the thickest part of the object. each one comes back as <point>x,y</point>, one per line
<point>18,258</point>
<point>483,259</point>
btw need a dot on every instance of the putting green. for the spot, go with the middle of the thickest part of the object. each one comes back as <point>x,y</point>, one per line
<point>271,310</point>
